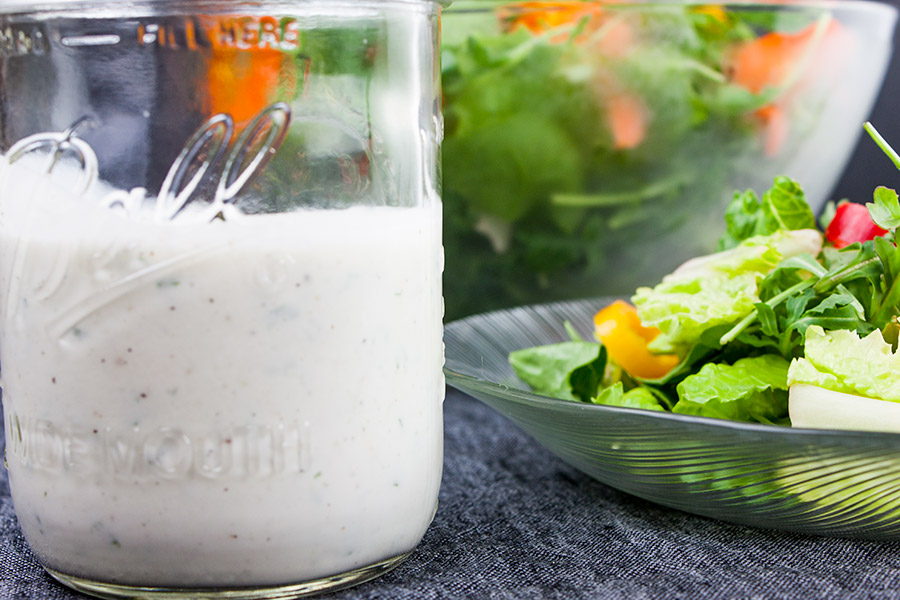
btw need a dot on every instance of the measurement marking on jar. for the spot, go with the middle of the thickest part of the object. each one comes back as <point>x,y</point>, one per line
<point>90,40</point>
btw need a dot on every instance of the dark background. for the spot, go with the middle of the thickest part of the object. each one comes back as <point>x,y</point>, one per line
<point>869,167</point>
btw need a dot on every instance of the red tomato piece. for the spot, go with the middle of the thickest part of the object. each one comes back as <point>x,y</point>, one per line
<point>852,223</point>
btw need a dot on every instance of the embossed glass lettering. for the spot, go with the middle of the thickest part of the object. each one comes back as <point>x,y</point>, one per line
<point>23,41</point>
<point>242,33</point>
<point>257,451</point>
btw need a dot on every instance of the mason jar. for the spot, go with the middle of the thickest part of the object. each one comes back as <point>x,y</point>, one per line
<point>220,290</point>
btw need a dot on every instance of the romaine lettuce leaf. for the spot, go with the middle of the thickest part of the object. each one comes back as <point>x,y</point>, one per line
<point>717,289</point>
<point>752,389</point>
<point>842,362</point>
<point>639,397</point>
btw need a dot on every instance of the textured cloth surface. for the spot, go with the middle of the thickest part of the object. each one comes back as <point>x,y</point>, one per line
<point>515,522</point>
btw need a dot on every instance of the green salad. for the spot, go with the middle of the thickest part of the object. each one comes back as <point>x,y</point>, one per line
<point>783,306</point>
<point>571,127</point>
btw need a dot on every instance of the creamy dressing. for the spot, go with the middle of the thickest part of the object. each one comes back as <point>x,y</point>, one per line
<point>250,402</point>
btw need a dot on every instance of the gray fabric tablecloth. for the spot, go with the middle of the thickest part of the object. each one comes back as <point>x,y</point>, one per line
<point>515,522</point>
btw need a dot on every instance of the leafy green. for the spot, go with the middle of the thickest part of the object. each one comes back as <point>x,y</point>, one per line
<point>783,207</point>
<point>540,199</point>
<point>840,361</point>
<point>882,143</point>
<point>539,159</point>
<point>568,370</point>
<point>885,211</point>
<point>792,300</point>
<point>635,398</point>
<point>717,289</point>
<point>775,309</point>
<point>752,389</point>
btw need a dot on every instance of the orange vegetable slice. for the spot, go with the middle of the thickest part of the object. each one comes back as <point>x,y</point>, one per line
<point>775,128</point>
<point>243,83</point>
<point>626,115</point>
<point>791,61</point>
<point>538,17</point>
<point>619,329</point>
<point>607,34</point>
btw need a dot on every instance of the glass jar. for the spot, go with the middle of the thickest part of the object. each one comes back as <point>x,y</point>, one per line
<point>220,290</point>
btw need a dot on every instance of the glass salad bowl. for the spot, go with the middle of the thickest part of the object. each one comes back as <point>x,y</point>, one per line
<point>592,146</point>
<point>836,483</point>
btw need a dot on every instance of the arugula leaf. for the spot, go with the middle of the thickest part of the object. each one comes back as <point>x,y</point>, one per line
<point>794,298</point>
<point>786,204</point>
<point>783,207</point>
<point>752,389</point>
<point>568,370</point>
<point>768,321</point>
<point>885,211</point>
<point>835,311</point>
<point>743,219</point>
<point>886,305</point>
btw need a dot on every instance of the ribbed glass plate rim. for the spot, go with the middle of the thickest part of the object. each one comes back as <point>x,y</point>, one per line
<point>466,382</point>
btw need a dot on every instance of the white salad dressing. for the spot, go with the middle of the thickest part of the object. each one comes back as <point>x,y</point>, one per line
<point>248,402</point>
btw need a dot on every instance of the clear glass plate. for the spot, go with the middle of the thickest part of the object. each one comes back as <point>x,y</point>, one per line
<point>837,483</point>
